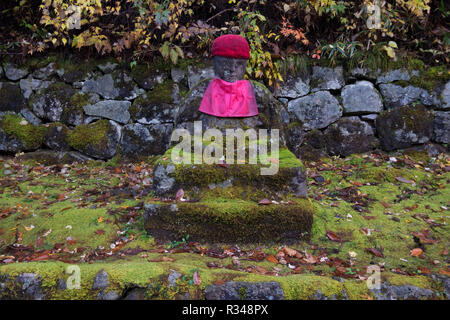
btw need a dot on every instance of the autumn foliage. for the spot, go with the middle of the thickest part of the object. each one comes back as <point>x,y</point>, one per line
<point>144,29</point>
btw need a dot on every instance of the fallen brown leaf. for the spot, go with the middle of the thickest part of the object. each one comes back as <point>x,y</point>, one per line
<point>416,252</point>
<point>260,270</point>
<point>197,279</point>
<point>290,252</point>
<point>333,236</point>
<point>265,201</point>
<point>403,180</point>
<point>309,258</point>
<point>41,257</point>
<point>298,270</point>
<point>444,272</point>
<point>272,259</point>
<point>386,205</point>
<point>375,252</point>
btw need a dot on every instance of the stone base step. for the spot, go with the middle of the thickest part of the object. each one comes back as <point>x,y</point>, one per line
<point>289,175</point>
<point>230,221</point>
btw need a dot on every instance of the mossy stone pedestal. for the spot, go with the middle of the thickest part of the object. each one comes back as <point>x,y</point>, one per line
<point>221,203</point>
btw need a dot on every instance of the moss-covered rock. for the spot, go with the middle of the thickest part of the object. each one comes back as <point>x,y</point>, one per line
<point>404,126</point>
<point>313,146</point>
<point>231,192</point>
<point>17,134</point>
<point>349,135</point>
<point>72,70</point>
<point>227,220</point>
<point>50,102</point>
<point>280,172</point>
<point>11,98</point>
<point>140,141</point>
<point>56,136</point>
<point>431,77</point>
<point>156,106</point>
<point>98,139</point>
<point>73,114</point>
<point>148,76</point>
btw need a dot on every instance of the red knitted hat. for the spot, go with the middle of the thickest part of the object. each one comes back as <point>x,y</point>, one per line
<point>231,46</point>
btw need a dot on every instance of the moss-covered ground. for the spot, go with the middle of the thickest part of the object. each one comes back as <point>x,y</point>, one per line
<point>373,209</point>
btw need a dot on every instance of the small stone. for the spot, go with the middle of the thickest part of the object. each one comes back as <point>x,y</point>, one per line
<point>173,276</point>
<point>177,74</point>
<point>110,295</point>
<point>100,280</point>
<point>13,72</point>
<point>110,109</point>
<point>441,127</point>
<point>31,285</point>
<point>45,72</point>
<point>196,74</point>
<point>104,86</point>
<point>324,78</point>
<point>30,116</point>
<point>294,87</point>
<point>396,96</point>
<point>361,97</point>
<point>369,117</point>
<point>394,75</point>
<point>319,179</point>
<point>315,111</point>
<point>245,291</point>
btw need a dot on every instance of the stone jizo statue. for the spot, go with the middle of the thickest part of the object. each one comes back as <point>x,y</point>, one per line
<point>228,95</point>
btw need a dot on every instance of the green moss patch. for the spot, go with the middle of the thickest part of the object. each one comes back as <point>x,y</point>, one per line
<point>32,136</point>
<point>417,208</point>
<point>88,134</point>
<point>161,93</point>
<point>431,77</point>
<point>79,99</point>
<point>382,174</point>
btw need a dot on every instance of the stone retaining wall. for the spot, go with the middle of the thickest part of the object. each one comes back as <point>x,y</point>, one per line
<point>99,110</point>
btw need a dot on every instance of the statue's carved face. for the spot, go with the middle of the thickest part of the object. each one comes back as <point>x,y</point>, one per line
<point>229,69</point>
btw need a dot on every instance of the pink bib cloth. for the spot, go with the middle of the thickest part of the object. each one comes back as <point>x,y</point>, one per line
<point>229,99</point>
